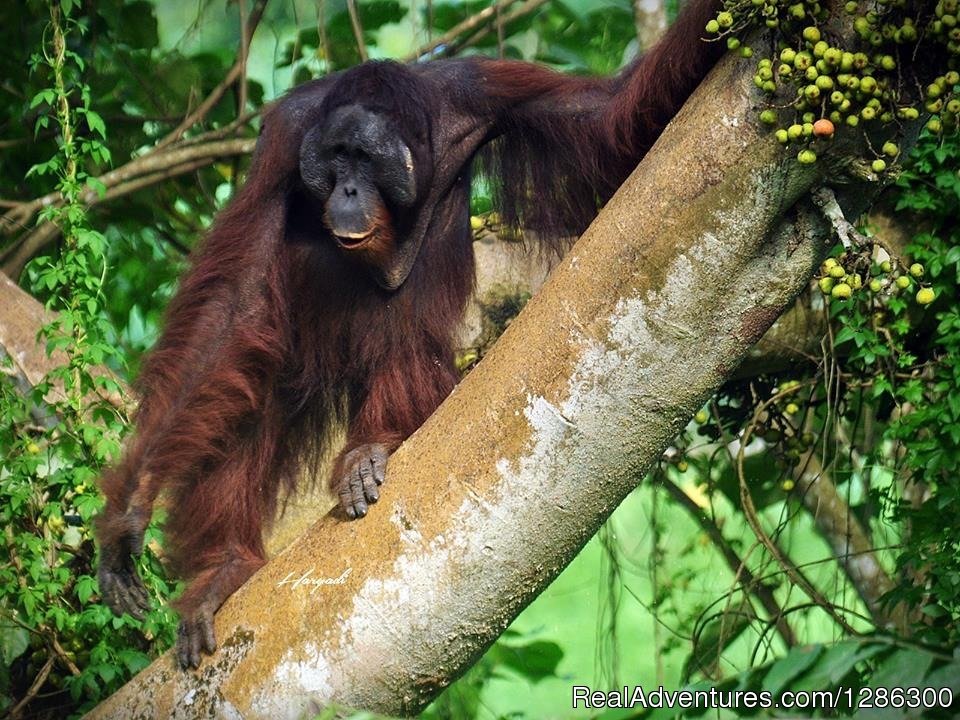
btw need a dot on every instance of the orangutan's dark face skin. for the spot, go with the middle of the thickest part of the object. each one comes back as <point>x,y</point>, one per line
<point>362,173</point>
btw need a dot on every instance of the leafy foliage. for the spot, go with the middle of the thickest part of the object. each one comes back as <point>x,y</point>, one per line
<point>866,437</point>
<point>862,678</point>
<point>928,432</point>
<point>58,436</point>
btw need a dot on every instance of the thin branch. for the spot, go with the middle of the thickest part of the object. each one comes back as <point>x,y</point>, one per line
<point>357,29</point>
<point>849,540</point>
<point>499,25</point>
<point>205,107</point>
<point>849,236</point>
<point>17,217</point>
<point>525,9</point>
<point>62,654</point>
<point>654,566</point>
<point>234,74</point>
<point>322,32</point>
<point>414,19</point>
<point>241,94</point>
<point>41,677</point>
<point>31,693</point>
<point>149,162</point>
<point>220,133</point>
<point>40,414</point>
<point>245,37</point>
<point>740,570</point>
<point>155,178</point>
<point>753,519</point>
<point>20,216</point>
<point>144,171</point>
<point>650,19</point>
<point>175,156</point>
<point>639,18</point>
<point>296,49</point>
<point>459,29</point>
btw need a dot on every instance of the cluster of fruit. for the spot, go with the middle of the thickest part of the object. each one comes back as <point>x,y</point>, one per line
<point>780,427</point>
<point>945,27</point>
<point>840,283</point>
<point>825,86</point>
<point>784,432</point>
<point>943,103</point>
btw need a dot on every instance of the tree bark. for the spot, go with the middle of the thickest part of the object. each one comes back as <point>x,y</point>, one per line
<point>20,321</point>
<point>698,254</point>
<point>650,17</point>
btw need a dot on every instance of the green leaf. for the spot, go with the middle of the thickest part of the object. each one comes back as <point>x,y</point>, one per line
<point>96,185</point>
<point>134,660</point>
<point>14,641</point>
<point>794,664</point>
<point>904,668</point>
<point>29,601</point>
<point>44,96</point>
<point>86,587</point>
<point>537,660</point>
<point>846,333</point>
<point>95,123</point>
<point>836,662</point>
<point>106,672</point>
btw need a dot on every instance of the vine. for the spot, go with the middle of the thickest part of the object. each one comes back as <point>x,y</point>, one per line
<point>55,637</point>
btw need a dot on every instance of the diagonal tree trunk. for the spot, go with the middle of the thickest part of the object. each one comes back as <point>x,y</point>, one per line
<point>703,248</point>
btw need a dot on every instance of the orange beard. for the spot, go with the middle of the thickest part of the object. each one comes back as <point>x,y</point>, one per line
<point>377,247</point>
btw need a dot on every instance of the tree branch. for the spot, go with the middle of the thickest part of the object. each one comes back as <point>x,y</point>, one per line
<point>849,541</point>
<point>650,17</point>
<point>21,318</point>
<point>149,169</point>
<point>753,520</point>
<point>38,681</point>
<point>237,71</point>
<point>245,36</point>
<point>459,29</point>
<point>498,24</point>
<point>745,578</point>
<point>357,30</point>
<point>203,146</point>
<point>322,33</point>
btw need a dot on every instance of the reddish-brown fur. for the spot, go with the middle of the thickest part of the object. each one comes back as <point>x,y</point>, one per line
<point>276,334</point>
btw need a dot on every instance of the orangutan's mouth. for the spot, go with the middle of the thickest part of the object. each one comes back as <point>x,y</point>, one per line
<point>353,241</point>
